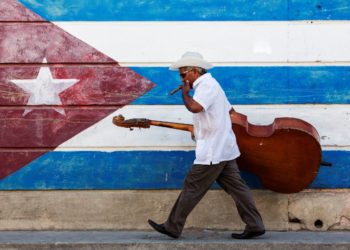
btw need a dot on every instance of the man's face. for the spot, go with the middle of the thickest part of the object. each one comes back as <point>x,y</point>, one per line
<point>188,75</point>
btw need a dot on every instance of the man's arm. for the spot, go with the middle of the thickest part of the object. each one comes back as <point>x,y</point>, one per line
<point>190,104</point>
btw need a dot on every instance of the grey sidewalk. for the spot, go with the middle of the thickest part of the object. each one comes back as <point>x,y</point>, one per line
<point>189,240</point>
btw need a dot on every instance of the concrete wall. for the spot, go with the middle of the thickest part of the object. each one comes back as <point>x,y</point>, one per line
<point>316,210</point>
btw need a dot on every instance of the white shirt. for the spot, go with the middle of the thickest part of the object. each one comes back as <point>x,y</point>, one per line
<point>215,140</point>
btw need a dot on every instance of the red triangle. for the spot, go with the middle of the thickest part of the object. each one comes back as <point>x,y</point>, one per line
<point>103,86</point>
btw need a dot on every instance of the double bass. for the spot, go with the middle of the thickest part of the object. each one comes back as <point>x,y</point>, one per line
<point>285,155</point>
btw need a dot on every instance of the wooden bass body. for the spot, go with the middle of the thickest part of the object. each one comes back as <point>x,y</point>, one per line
<point>286,154</point>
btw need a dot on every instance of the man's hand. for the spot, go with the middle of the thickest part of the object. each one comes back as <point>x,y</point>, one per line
<point>186,87</point>
<point>190,104</point>
<point>192,136</point>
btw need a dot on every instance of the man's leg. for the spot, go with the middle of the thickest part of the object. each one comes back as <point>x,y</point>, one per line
<point>196,184</point>
<point>230,180</point>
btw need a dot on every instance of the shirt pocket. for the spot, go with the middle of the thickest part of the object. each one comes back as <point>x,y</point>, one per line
<point>229,146</point>
<point>201,150</point>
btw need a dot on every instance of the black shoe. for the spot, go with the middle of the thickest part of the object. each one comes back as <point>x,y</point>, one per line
<point>247,234</point>
<point>160,228</point>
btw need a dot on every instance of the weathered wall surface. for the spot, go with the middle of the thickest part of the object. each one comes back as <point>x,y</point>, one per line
<point>126,210</point>
<point>67,67</point>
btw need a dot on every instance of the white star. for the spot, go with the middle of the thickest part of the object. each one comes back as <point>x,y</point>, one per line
<point>44,90</point>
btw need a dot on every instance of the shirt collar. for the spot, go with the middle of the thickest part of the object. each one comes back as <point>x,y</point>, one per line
<point>201,78</point>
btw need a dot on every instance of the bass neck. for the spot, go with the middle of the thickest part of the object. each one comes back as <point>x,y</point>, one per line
<point>173,125</point>
<point>146,123</point>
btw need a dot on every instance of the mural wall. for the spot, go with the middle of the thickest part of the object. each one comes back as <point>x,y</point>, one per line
<point>67,67</point>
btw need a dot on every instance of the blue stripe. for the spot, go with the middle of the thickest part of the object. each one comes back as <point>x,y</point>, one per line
<point>190,10</point>
<point>260,85</point>
<point>139,170</point>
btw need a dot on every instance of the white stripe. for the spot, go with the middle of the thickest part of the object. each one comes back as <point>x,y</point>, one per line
<point>160,43</point>
<point>331,121</point>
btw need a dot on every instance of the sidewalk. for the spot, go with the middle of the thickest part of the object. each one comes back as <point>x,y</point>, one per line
<point>84,240</point>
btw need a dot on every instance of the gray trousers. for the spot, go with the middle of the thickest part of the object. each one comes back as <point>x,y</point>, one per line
<point>197,183</point>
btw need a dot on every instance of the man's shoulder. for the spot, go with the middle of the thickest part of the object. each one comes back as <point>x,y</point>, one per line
<point>209,82</point>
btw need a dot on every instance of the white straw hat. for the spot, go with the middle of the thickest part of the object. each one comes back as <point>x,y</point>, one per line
<point>193,59</point>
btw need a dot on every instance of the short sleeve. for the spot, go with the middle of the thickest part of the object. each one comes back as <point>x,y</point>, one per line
<point>205,94</point>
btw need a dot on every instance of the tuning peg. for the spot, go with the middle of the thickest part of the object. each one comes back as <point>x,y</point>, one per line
<point>120,118</point>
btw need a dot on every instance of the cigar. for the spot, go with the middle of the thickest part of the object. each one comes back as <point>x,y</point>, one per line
<point>175,90</point>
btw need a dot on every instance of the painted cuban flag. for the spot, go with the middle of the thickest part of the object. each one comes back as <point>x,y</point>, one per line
<point>53,86</point>
<point>67,67</point>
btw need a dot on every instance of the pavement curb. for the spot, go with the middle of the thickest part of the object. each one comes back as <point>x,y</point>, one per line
<point>205,239</point>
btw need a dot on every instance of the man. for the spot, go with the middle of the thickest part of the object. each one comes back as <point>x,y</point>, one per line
<point>216,151</point>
